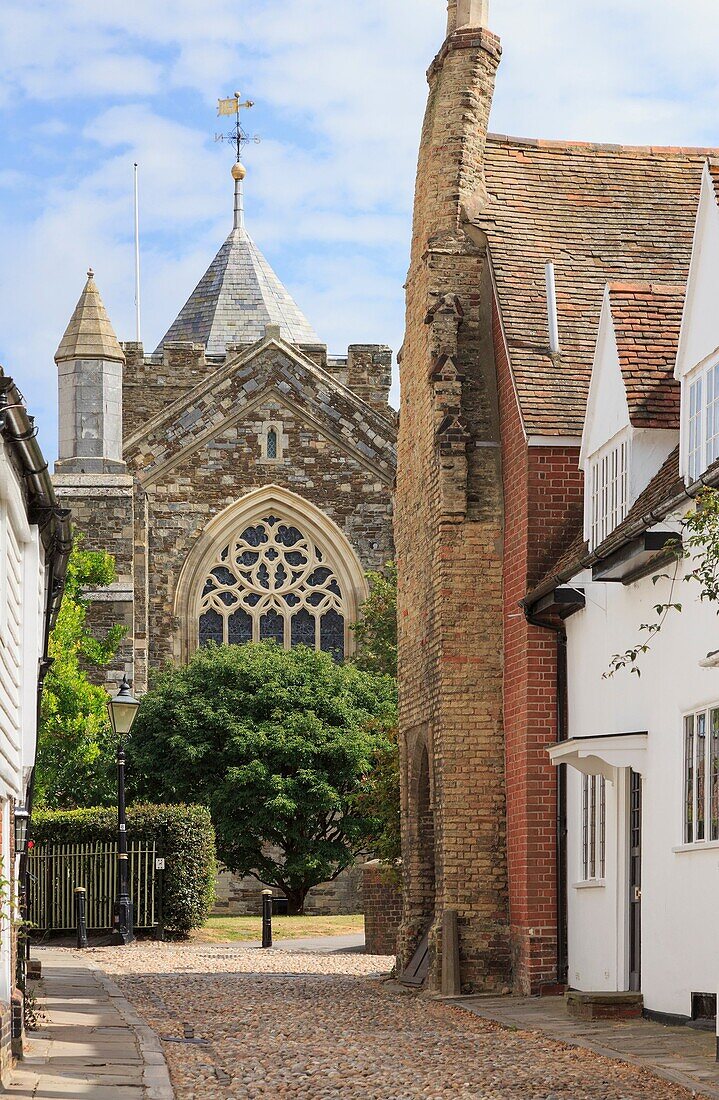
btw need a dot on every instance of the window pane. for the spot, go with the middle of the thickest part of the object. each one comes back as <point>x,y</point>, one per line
<point>332,635</point>
<point>239,628</point>
<point>700,766</point>
<point>211,628</point>
<point>602,826</point>
<point>585,827</point>
<point>304,629</point>
<point>714,777</point>
<point>272,443</point>
<point>272,628</point>
<point>689,779</point>
<point>695,428</point>
<point>593,826</point>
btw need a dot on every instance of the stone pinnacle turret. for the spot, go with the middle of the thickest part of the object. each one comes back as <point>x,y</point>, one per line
<point>89,362</point>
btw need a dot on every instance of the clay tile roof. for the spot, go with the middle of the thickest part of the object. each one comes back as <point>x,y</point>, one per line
<point>647,319</point>
<point>713,163</point>
<point>602,213</point>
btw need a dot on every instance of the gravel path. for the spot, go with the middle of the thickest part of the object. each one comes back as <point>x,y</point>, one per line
<point>254,1024</point>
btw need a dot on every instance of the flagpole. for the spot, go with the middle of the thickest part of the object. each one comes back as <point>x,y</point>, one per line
<point>137,259</point>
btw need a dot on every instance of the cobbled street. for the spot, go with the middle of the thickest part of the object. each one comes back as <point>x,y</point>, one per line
<point>239,1023</point>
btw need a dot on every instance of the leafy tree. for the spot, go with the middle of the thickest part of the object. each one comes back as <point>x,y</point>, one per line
<point>376,631</point>
<point>379,801</point>
<point>276,743</point>
<point>75,753</point>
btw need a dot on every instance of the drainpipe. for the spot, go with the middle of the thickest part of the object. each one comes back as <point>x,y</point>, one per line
<point>561,818</point>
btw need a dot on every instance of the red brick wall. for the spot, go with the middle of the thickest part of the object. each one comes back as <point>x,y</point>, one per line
<point>543,497</point>
<point>382,899</point>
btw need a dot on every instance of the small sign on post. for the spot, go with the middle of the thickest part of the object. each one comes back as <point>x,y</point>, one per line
<point>160,863</point>
<point>267,918</point>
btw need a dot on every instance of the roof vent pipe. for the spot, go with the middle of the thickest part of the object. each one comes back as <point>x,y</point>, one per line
<point>552,309</point>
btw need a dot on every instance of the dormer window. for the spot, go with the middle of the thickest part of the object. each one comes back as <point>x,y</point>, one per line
<point>702,389</point>
<point>609,490</point>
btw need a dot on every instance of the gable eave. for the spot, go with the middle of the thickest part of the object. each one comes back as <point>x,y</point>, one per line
<point>240,359</point>
<point>383,471</point>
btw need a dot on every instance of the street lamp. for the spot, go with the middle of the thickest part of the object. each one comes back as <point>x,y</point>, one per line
<point>122,710</point>
<point>22,817</point>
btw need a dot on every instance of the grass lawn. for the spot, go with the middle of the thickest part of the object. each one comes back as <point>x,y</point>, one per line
<point>236,929</point>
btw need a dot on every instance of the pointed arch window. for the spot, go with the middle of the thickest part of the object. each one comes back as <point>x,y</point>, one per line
<point>272,582</point>
<point>272,442</point>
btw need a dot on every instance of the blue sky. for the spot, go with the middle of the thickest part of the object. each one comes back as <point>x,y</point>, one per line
<point>87,88</point>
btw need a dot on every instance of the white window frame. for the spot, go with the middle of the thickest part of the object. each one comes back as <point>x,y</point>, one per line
<point>700,419</point>
<point>593,829</point>
<point>607,490</point>
<point>700,773</point>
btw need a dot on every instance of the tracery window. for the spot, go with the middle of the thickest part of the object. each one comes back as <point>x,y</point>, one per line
<point>271,582</point>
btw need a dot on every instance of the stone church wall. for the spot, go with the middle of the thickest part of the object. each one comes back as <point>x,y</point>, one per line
<point>242,897</point>
<point>193,487</point>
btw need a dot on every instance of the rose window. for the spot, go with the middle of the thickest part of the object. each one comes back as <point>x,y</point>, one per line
<point>272,583</point>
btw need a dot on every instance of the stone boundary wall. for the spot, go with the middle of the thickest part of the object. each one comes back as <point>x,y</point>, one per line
<point>382,909</point>
<point>242,897</point>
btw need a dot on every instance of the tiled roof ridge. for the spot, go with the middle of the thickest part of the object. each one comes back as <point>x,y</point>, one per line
<point>565,145</point>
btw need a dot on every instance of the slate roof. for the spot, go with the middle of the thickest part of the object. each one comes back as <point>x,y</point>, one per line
<point>235,299</point>
<point>90,335</point>
<point>647,320</point>
<point>602,213</point>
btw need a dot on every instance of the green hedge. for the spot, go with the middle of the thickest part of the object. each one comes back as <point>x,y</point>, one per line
<point>188,844</point>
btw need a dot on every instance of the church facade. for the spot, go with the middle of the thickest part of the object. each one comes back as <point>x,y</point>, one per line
<point>240,475</point>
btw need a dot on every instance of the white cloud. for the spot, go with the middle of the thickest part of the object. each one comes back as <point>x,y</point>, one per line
<point>340,90</point>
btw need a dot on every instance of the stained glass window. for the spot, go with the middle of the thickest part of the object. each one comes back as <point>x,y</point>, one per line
<point>272,582</point>
<point>211,628</point>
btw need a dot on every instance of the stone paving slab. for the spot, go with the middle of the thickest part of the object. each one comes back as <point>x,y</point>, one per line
<point>92,1045</point>
<point>682,1055</point>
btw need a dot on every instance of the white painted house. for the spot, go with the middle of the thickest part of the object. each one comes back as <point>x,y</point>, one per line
<point>642,752</point>
<point>34,548</point>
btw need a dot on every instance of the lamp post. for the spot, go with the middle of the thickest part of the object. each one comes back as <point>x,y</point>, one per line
<point>22,817</point>
<point>122,710</point>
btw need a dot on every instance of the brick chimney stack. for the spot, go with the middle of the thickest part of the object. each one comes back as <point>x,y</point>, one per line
<point>448,534</point>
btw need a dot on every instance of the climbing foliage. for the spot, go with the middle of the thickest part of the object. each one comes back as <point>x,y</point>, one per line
<point>75,751</point>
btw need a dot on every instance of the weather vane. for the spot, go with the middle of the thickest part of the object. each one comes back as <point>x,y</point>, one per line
<point>238,135</point>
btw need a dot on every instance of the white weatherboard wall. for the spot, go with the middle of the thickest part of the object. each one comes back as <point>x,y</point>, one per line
<point>608,424</point>
<point>21,624</point>
<point>680,888</point>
